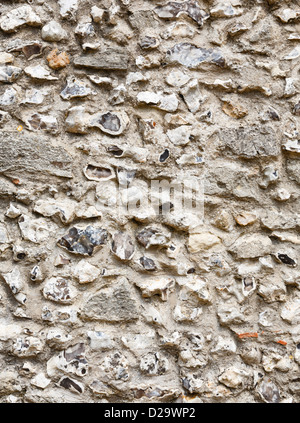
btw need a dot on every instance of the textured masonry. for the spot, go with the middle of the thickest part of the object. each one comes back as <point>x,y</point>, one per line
<point>108,292</point>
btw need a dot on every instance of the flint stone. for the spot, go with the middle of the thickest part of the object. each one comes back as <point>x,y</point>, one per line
<point>250,142</point>
<point>112,305</point>
<point>16,18</point>
<point>29,156</point>
<point>83,241</point>
<point>251,246</point>
<point>110,59</point>
<point>173,10</point>
<point>193,57</point>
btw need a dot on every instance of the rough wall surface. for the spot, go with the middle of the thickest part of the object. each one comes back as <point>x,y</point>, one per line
<point>102,298</point>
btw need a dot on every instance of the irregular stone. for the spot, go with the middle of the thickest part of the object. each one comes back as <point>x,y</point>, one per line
<point>193,57</point>
<point>224,10</point>
<point>176,78</point>
<point>35,96</point>
<point>233,377</point>
<point>154,364</point>
<point>59,290</point>
<point>287,15</point>
<point>58,339</point>
<point>156,286</point>
<point>76,88</point>
<point>16,284</point>
<point>85,29</point>
<point>70,361</point>
<point>148,43</point>
<point>9,97</point>
<point>199,242</point>
<point>291,311</point>
<point>194,286</point>
<point>86,272</point>
<point>71,384</point>
<point>109,59</point>
<point>272,289</point>
<point>57,61</point>
<point>54,32</point>
<point>40,73</point>
<point>173,10</point>
<point>181,135</point>
<point>29,346</point>
<point>97,14</point>
<point>68,9</point>
<point>250,142</point>
<point>83,241</point>
<point>12,212</point>
<point>17,18</point>
<point>122,246</point>
<point>19,155</point>
<point>40,381</point>
<point>37,121</point>
<point>77,120</point>
<point>245,218</point>
<point>152,237</point>
<point>100,341</point>
<point>9,74</point>
<point>34,230</point>
<point>148,264</point>
<point>114,304</point>
<point>251,246</point>
<point>112,123</point>
<point>192,96</point>
<point>6,58</point>
<point>268,391</point>
<point>234,110</point>
<point>166,102</point>
<point>36,274</point>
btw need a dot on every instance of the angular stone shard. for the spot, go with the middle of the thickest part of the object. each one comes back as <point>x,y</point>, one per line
<point>54,32</point>
<point>251,246</point>
<point>9,74</point>
<point>112,123</point>
<point>17,18</point>
<point>110,59</point>
<point>112,305</point>
<point>83,241</point>
<point>193,57</point>
<point>68,9</point>
<point>122,246</point>
<point>250,142</point>
<point>59,290</point>
<point>21,155</point>
<point>173,10</point>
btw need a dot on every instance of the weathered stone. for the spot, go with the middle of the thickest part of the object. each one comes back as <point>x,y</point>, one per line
<point>115,304</point>
<point>251,246</point>
<point>57,61</point>
<point>193,57</point>
<point>54,32</point>
<point>24,156</point>
<point>173,10</point>
<point>16,18</point>
<point>250,142</point>
<point>110,59</point>
<point>59,290</point>
<point>83,241</point>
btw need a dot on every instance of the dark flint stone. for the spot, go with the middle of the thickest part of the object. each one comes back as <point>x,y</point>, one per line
<point>83,242</point>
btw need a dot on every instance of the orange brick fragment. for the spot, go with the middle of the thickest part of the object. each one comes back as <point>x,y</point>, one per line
<point>282,343</point>
<point>16,181</point>
<point>248,335</point>
<point>58,61</point>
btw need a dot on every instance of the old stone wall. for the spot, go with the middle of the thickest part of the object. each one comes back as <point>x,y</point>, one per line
<point>109,292</point>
